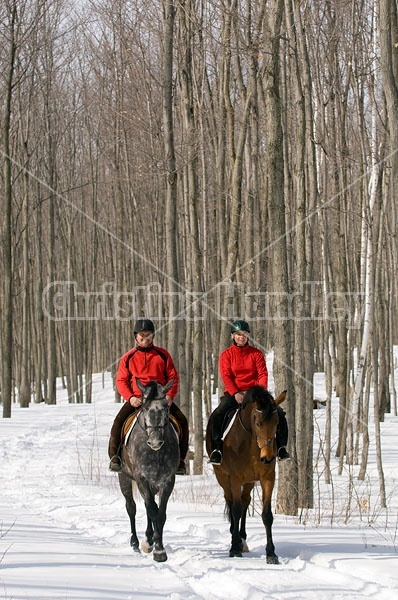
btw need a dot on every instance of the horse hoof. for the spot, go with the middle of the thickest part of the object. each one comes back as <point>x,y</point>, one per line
<point>272,560</point>
<point>160,556</point>
<point>134,544</point>
<point>146,547</point>
<point>233,553</point>
<point>245,547</point>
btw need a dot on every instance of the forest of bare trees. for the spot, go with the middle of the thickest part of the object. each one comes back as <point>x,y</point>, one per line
<point>194,162</point>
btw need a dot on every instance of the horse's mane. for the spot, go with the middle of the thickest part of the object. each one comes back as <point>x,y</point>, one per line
<point>262,397</point>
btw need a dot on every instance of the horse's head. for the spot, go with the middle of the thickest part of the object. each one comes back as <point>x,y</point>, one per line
<point>264,420</point>
<point>155,411</point>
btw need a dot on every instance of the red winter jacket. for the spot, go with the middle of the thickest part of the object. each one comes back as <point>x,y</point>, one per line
<point>146,364</point>
<point>241,368</point>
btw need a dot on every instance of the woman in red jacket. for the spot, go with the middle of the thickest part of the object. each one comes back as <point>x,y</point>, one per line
<point>145,362</point>
<point>242,366</point>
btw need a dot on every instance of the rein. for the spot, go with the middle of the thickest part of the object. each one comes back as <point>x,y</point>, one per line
<point>261,442</point>
<point>241,422</point>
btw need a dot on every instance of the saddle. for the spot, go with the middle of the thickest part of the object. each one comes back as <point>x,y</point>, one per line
<point>131,420</point>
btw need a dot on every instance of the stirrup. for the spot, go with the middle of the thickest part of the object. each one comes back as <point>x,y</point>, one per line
<point>215,457</point>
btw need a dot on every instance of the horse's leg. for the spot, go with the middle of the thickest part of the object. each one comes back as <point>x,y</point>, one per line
<point>246,498</point>
<point>147,542</point>
<point>159,553</point>
<point>228,508</point>
<point>236,515</point>
<point>126,487</point>
<point>268,519</point>
<point>151,512</point>
<point>156,519</point>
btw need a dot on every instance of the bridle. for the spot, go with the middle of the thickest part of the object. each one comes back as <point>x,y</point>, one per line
<point>261,442</point>
<point>151,428</point>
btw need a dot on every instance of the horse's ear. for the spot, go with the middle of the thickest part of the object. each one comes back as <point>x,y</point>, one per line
<point>168,386</point>
<point>281,398</point>
<point>139,384</point>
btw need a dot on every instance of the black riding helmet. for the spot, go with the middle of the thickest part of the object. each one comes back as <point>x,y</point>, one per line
<point>143,325</point>
<point>240,326</point>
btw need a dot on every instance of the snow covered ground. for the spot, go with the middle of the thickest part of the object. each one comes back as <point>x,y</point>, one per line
<point>64,532</point>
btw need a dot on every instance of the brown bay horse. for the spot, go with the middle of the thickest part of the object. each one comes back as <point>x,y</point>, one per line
<point>249,455</point>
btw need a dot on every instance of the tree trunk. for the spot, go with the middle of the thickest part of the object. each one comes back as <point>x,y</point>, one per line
<point>189,110</point>
<point>389,66</point>
<point>287,497</point>
<point>25,389</point>
<point>7,296</point>
<point>170,176</point>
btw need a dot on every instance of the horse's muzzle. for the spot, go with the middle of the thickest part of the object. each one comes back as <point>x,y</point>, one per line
<point>155,445</point>
<point>267,450</point>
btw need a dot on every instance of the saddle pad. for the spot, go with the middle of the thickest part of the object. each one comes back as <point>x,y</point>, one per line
<point>176,425</point>
<point>224,435</point>
<point>128,423</point>
<point>128,426</point>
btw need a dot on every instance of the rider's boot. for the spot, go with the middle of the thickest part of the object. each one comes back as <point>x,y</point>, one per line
<point>115,464</point>
<point>215,457</point>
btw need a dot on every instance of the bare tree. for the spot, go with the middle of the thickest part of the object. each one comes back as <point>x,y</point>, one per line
<point>287,498</point>
<point>11,22</point>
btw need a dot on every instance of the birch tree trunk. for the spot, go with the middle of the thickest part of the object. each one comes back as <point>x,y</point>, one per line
<point>367,220</point>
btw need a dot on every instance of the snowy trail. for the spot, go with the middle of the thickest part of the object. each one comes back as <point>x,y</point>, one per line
<point>64,530</point>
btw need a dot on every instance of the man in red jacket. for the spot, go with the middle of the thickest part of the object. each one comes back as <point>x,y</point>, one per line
<point>242,366</point>
<point>145,362</point>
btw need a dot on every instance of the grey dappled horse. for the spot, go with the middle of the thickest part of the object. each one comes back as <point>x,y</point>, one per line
<point>150,458</point>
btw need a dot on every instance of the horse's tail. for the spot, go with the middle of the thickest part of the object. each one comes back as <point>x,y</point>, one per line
<point>134,488</point>
<point>227,511</point>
